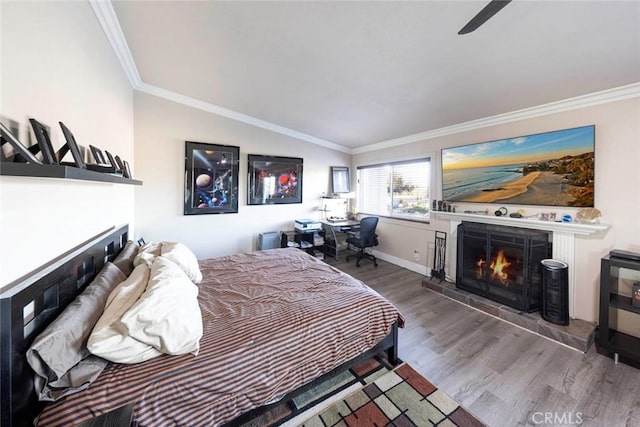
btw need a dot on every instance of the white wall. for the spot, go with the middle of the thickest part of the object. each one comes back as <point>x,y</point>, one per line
<point>617,188</point>
<point>161,129</point>
<point>58,66</point>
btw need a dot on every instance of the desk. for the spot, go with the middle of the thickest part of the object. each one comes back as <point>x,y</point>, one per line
<point>336,235</point>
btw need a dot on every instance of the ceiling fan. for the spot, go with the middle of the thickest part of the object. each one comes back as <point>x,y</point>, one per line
<point>483,16</point>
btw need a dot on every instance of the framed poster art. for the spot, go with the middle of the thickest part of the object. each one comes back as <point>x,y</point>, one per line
<point>274,180</point>
<point>211,178</point>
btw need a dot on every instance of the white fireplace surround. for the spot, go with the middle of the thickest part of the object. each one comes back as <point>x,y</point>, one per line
<point>563,238</point>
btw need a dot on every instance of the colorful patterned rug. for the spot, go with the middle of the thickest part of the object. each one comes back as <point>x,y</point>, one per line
<point>370,394</point>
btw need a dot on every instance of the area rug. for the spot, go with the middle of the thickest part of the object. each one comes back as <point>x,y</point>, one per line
<point>371,394</point>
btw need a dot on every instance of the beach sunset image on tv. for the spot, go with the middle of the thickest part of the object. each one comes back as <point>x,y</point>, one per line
<point>549,169</point>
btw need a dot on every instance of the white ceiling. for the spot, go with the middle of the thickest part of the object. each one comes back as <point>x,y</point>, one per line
<point>358,73</point>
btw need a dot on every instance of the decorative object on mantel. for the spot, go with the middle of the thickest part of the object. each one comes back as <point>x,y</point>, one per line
<point>442,206</point>
<point>501,211</point>
<point>484,212</point>
<point>519,214</point>
<point>588,216</point>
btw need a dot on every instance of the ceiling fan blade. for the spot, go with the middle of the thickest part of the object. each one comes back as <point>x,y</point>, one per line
<point>487,12</point>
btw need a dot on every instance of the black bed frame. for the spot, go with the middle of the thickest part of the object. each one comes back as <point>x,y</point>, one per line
<point>30,303</point>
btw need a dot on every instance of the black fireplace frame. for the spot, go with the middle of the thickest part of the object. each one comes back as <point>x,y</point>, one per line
<point>530,298</point>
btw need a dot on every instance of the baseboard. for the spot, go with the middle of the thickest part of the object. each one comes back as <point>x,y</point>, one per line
<point>416,268</point>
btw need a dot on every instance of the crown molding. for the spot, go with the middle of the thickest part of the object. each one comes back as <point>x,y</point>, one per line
<point>111,26</point>
<point>107,18</point>
<point>582,101</point>
<point>234,115</point>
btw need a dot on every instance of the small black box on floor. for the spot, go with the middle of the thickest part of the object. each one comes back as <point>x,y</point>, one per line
<point>555,291</point>
<point>635,295</point>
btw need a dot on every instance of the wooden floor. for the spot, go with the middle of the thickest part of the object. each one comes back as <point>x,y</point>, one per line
<point>504,375</point>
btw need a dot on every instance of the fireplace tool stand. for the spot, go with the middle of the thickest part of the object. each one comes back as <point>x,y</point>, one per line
<point>439,256</point>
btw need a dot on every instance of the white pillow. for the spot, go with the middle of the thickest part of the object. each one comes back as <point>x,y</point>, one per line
<point>147,253</point>
<point>176,252</point>
<point>167,316</point>
<point>184,258</point>
<point>109,338</point>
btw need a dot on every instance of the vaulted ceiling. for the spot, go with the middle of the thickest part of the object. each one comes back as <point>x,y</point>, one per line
<point>358,73</point>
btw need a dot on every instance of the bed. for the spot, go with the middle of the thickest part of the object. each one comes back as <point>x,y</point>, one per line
<point>274,322</point>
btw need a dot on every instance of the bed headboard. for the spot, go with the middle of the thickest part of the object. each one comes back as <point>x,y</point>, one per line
<point>30,303</point>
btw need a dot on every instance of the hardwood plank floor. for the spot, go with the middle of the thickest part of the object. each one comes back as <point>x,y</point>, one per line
<point>504,375</point>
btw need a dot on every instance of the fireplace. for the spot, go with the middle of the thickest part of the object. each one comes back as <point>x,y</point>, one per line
<point>502,263</point>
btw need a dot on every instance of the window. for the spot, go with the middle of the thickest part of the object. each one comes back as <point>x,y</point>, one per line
<point>397,190</point>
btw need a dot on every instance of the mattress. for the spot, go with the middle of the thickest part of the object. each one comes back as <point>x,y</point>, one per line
<point>273,320</point>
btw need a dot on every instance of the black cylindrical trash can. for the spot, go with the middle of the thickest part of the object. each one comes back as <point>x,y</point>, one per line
<point>555,291</point>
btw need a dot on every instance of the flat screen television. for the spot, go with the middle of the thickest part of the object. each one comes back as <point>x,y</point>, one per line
<point>550,169</point>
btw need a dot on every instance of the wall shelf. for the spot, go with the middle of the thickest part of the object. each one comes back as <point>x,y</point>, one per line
<point>623,303</point>
<point>61,171</point>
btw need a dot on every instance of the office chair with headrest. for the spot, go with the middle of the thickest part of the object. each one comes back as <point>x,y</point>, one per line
<point>365,238</point>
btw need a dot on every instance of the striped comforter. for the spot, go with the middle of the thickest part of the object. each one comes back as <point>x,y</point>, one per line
<point>273,321</point>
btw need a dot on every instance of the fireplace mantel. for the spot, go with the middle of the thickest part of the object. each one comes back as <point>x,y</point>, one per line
<point>563,227</point>
<point>563,238</point>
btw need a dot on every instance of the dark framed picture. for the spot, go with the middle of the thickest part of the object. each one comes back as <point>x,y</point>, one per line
<point>274,180</point>
<point>126,172</point>
<point>44,142</point>
<point>78,161</point>
<point>113,163</point>
<point>339,179</point>
<point>21,150</point>
<point>211,178</point>
<point>97,155</point>
<point>120,165</point>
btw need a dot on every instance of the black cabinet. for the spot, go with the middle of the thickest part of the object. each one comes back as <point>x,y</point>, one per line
<point>610,341</point>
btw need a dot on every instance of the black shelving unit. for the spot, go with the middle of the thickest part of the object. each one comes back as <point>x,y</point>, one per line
<point>609,341</point>
<point>62,172</point>
<point>306,241</point>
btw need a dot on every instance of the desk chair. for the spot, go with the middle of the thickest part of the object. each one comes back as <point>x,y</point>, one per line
<point>366,237</point>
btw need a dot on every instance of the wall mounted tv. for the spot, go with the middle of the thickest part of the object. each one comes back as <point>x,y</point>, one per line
<point>549,169</point>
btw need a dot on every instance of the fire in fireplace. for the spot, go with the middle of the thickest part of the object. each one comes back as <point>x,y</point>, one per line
<point>499,268</point>
<point>502,263</point>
